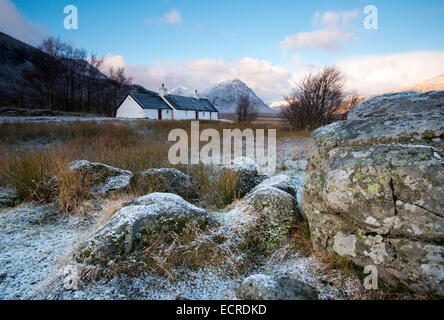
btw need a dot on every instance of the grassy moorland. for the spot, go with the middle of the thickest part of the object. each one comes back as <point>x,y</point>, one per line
<point>33,154</point>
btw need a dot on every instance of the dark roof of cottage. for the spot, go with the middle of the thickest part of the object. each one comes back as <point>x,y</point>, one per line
<point>189,103</point>
<point>150,101</point>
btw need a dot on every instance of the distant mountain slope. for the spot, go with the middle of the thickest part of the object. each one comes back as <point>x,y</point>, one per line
<point>18,64</point>
<point>432,84</point>
<point>15,58</point>
<point>277,105</point>
<point>226,94</point>
<point>137,88</point>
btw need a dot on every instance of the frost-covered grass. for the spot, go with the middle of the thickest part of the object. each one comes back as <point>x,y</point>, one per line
<point>35,246</point>
<point>32,238</point>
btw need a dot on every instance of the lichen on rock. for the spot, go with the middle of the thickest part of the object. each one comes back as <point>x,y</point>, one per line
<point>277,213</point>
<point>374,188</point>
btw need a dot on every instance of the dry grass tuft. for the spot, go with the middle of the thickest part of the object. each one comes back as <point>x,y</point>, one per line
<point>299,244</point>
<point>74,189</point>
<point>218,187</point>
<point>194,249</point>
<point>110,206</point>
<point>29,172</point>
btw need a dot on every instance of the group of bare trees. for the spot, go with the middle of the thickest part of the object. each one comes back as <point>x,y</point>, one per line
<point>245,111</point>
<point>318,100</point>
<point>65,78</point>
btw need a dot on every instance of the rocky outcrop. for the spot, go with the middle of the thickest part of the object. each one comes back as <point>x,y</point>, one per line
<point>167,180</point>
<point>147,219</point>
<point>247,175</point>
<point>265,287</point>
<point>399,105</point>
<point>103,178</point>
<point>374,188</point>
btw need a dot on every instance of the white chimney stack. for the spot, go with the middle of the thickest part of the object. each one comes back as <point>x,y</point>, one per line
<point>196,96</point>
<point>163,91</point>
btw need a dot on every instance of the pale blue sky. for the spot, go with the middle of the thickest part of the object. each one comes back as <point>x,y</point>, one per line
<point>156,39</point>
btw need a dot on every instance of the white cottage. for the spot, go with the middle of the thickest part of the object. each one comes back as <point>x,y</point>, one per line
<point>165,106</point>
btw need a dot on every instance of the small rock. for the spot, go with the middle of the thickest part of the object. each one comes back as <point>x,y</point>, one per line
<point>7,198</point>
<point>169,180</point>
<point>277,212</point>
<point>265,287</point>
<point>248,175</point>
<point>280,181</point>
<point>104,178</point>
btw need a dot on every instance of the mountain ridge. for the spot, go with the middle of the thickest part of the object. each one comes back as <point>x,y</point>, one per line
<point>432,84</point>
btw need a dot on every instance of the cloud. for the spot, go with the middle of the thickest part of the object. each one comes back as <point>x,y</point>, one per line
<point>13,24</point>
<point>327,39</point>
<point>331,33</point>
<point>269,82</point>
<point>367,75</point>
<point>172,17</point>
<point>373,75</point>
<point>114,61</point>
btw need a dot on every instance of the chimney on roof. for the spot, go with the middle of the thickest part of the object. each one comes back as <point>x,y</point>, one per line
<point>163,91</point>
<point>196,96</point>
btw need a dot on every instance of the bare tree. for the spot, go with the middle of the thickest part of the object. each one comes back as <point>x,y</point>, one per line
<point>245,111</point>
<point>93,82</point>
<point>347,104</point>
<point>313,103</point>
<point>51,67</point>
<point>65,78</point>
<point>119,84</point>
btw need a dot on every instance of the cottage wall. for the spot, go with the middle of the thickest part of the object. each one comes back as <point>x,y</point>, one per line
<point>152,114</point>
<point>130,109</point>
<point>167,114</point>
<point>204,115</point>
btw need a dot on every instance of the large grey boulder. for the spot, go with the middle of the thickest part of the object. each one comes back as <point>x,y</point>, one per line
<point>374,188</point>
<point>248,177</point>
<point>134,227</point>
<point>103,178</point>
<point>265,287</point>
<point>169,180</point>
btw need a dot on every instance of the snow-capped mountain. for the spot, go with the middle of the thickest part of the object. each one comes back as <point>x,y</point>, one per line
<point>182,91</point>
<point>226,94</point>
